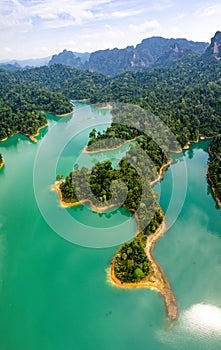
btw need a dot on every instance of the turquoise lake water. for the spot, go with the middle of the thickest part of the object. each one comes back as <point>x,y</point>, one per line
<point>54,288</point>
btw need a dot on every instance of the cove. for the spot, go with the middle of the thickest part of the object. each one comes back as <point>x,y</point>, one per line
<point>54,294</point>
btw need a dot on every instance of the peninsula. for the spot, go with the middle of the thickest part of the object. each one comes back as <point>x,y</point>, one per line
<point>133,265</point>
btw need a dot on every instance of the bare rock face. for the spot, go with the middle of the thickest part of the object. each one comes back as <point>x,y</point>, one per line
<point>150,52</point>
<point>67,58</point>
<point>214,49</point>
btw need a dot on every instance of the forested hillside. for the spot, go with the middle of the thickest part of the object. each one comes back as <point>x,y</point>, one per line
<point>22,104</point>
<point>214,168</point>
<point>186,97</point>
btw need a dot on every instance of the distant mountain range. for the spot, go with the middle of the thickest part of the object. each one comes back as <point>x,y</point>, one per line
<point>151,52</point>
<point>37,62</point>
<point>32,62</point>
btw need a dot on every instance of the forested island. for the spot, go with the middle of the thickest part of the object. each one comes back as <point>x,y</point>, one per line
<point>187,99</point>
<point>133,264</point>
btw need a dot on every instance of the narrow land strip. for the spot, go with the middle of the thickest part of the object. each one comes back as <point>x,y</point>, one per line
<point>157,279</point>
<point>218,202</point>
<point>86,150</point>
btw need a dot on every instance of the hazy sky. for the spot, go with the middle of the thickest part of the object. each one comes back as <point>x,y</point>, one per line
<point>40,28</point>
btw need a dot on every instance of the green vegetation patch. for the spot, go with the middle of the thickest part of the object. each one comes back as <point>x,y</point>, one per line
<point>214,169</point>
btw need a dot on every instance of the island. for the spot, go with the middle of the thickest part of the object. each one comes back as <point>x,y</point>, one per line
<point>151,143</point>
<point>129,185</point>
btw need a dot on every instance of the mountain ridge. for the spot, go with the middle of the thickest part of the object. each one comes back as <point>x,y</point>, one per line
<point>144,55</point>
<point>213,51</point>
<point>149,53</point>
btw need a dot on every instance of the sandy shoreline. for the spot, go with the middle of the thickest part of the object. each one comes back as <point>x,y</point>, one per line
<point>84,100</point>
<point>2,163</point>
<point>161,173</point>
<point>33,137</point>
<point>105,106</point>
<point>156,280</point>
<point>201,138</point>
<point>56,187</point>
<point>30,136</point>
<point>65,114</point>
<point>6,138</point>
<point>85,149</point>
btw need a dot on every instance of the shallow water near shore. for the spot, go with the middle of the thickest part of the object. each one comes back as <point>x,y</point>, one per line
<point>56,295</point>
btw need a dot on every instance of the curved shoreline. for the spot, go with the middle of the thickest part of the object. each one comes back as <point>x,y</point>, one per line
<point>161,172</point>
<point>30,136</point>
<point>104,106</point>
<point>2,163</point>
<point>156,280</point>
<point>33,136</point>
<point>56,187</point>
<point>64,114</point>
<point>217,200</point>
<point>85,149</point>
<point>84,100</point>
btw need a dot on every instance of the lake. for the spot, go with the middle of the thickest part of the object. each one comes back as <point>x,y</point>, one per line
<point>54,287</point>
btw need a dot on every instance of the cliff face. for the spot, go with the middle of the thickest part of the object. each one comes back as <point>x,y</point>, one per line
<point>67,58</point>
<point>155,51</point>
<point>149,52</point>
<point>214,49</point>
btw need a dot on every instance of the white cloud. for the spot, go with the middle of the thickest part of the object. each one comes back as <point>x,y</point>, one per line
<point>89,25</point>
<point>161,6</point>
<point>123,13</point>
<point>8,49</point>
<point>15,13</point>
<point>111,36</point>
<point>210,10</point>
<point>49,16</point>
<point>145,28</point>
<point>181,16</point>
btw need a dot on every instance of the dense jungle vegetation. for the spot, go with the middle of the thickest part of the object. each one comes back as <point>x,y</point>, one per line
<point>22,105</point>
<point>214,168</point>
<point>182,100</point>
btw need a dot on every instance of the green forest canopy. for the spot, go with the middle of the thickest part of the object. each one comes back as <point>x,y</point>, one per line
<point>186,97</point>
